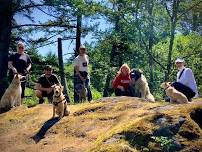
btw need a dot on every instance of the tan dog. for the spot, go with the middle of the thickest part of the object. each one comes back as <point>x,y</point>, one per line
<point>140,83</point>
<point>12,95</point>
<point>59,102</point>
<point>174,95</point>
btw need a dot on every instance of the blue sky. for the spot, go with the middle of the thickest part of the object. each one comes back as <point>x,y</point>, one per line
<point>68,45</point>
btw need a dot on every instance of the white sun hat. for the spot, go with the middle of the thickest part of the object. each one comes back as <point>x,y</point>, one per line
<point>82,47</point>
<point>179,60</point>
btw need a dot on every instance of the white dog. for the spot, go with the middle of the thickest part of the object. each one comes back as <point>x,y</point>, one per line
<point>139,81</point>
<point>12,95</point>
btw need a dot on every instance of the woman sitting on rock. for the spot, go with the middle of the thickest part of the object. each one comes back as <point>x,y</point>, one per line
<point>121,81</point>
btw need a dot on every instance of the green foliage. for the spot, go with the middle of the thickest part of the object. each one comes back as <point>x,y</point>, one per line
<point>164,142</point>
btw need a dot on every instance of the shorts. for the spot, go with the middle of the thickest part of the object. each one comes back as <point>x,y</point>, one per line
<point>44,94</point>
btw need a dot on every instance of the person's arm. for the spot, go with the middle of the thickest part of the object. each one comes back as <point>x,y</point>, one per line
<point>185,76</point>
<point>39,87</point>
<point>29,63</point>
<point>29,67</point>
<point>116,83</point>
<point>10,66</point>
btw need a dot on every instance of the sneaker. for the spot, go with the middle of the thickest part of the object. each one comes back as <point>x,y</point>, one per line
<point>41,101</point>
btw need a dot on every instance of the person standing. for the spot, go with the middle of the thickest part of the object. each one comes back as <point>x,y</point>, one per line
<point>19,62</point>
<point>186,82</point>
<point>82,73</point>
<point>45,84</point>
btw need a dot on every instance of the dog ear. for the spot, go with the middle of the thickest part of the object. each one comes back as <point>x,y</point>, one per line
<point>62,88</point>
<point>17,75</point>
<point>140,71</point>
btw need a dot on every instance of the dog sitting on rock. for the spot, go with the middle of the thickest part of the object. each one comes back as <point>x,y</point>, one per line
<point>59,102</point>
<point>139,82</point>
<point>174,95</point>
<point>12,95</point>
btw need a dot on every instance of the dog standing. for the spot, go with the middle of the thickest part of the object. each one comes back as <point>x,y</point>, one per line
<point>140,83</point>
<point>174,95</point>
<point>59,102</point>
<point>12,95</point>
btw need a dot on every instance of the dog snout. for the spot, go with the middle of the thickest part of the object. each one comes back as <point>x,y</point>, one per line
<point>56,91</point>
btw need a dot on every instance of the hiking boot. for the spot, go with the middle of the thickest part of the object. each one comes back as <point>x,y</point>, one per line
<point>41,101</point>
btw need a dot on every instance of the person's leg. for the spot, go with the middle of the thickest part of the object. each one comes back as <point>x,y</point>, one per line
<point>118,92</point>
<point>87,84</point>
<point>23,84</point>
<point>50,97</point>
<point>184,89</point>
<point>39,95</point>
<point>76,82</point>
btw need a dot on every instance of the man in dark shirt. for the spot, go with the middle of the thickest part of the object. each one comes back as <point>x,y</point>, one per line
<point>45,83</point>
<point>20,63</point>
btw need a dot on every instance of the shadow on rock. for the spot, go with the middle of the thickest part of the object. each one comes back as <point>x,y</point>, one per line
<point>47,125</point>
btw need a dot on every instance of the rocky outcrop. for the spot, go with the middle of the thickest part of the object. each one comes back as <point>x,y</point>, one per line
<point>114,124</point>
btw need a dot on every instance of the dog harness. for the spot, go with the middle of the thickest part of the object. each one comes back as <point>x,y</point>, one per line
<point>56,103</point>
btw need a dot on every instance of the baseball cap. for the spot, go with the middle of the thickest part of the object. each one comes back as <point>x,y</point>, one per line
<point>48,67</point>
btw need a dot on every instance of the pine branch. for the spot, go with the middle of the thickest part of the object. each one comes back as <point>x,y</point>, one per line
<point>188,10</point>
<point>44,25</point>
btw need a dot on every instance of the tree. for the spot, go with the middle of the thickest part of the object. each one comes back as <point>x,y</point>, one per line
<point>6,16</point>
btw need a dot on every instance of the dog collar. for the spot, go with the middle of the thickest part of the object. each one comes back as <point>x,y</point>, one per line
<point>57,96</point>
<point>56,103</point>
<point>166,88</point>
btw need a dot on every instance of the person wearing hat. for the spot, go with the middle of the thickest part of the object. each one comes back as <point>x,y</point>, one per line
<point>186,82</point>
<point>45,83</point>
<point>81,73</point>
<point>19,62</point>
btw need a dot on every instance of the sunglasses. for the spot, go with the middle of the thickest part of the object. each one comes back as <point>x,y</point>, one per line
<point>20,47</point>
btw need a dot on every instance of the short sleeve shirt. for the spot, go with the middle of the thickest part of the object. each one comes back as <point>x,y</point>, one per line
<point>20,62</point>
<point>82,62</point>
<point>48,82</point>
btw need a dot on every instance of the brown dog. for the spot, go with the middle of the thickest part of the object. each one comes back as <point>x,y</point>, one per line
<point>174,95</point>
<point>59,102</point>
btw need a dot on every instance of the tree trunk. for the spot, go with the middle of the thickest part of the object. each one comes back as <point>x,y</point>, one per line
<point>5,33</point>
<point>173,20</point>
<point>78,34</point>
<point>151,40</point>
<point>78,43</point>
<point>61,69</point>
<point>112,57</point>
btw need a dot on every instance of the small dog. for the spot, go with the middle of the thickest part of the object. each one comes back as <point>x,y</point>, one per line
<point>139,82</point>
<point>174,95</point>
<point>12,95</point>
<point>59,102</point>
<point>81,92</point>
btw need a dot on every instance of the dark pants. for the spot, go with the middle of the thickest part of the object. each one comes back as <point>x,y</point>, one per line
<point>77,80</point>
<point>119,92</point>
<point>188,92</point>
<point>23,84</point>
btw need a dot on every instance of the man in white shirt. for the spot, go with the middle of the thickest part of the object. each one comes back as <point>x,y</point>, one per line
<point>186,82</point>
<point>82,75</point>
